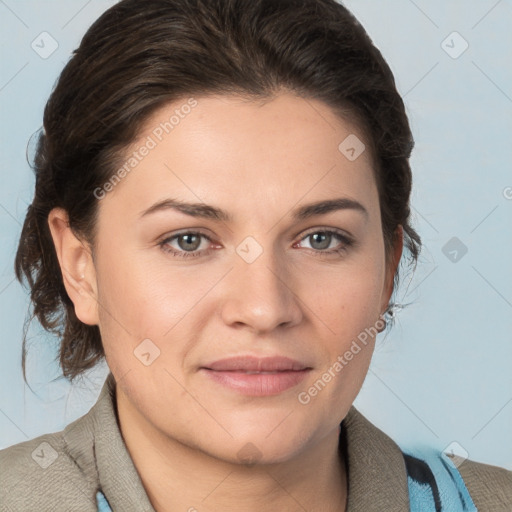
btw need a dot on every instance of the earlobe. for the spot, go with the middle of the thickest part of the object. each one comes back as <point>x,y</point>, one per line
<point>77,267</point>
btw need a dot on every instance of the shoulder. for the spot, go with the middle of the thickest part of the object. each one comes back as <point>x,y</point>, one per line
<point>42,473</point>
<point>490,487</point>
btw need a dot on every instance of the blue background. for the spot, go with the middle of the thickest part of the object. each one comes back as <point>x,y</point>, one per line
<point>443,374</point>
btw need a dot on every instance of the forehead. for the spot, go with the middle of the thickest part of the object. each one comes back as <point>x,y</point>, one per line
<point>246,153</point>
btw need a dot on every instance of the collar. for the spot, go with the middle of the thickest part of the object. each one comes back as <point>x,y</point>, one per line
<point>377,478</point>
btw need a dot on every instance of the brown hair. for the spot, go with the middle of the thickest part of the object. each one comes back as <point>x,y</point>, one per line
<point>140,55</point>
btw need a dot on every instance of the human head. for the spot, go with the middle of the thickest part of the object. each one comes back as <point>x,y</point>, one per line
<point>139,56</point>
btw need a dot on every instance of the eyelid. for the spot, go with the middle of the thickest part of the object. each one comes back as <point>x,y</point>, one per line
<point>164,244</point>
<point>322,229</point>
<point>190,231</point>
<point>344,237</point>
<point>199,231</point>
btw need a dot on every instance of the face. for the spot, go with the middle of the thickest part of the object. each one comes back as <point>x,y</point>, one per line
<point>251,271</point>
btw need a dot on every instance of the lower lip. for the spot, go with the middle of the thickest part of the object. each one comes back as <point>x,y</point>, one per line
<point>258,384</point>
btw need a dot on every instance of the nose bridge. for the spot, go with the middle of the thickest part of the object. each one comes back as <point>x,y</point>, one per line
<point>260,293</point>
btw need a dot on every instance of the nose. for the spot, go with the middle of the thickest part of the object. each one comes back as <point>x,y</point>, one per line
<point>259,295</point>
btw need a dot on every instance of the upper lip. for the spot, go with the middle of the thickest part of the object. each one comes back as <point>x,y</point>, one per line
<point>254,364</point>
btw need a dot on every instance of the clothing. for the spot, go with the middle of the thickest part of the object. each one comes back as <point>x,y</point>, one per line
<point>435,485</point>
<point>64,471</point>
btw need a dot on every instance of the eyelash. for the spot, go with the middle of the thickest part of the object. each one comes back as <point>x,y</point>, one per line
<point>348,242</point>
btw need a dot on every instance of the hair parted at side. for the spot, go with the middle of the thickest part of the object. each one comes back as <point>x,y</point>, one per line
<point>140,55</point>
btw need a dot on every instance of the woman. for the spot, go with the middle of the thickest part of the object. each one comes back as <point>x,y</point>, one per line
<point>268,136</point>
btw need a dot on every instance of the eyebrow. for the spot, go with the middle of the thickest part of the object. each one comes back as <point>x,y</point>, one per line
<point>206,211</point>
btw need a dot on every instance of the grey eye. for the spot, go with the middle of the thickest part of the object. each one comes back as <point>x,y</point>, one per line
<point>322,238</point>
<point>189,241</point>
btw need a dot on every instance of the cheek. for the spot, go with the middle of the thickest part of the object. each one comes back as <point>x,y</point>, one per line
<point>347,299</point>
<point>142,295</point>
<point>128,303</point>
<point>142,299</point>
<point>347,304</point>
<point>348,344</point>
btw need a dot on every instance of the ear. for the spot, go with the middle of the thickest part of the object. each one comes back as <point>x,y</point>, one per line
<point>77,267</point>
<point>392,266</point>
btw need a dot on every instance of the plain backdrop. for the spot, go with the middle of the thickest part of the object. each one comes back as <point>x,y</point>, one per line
<point>442,376</point>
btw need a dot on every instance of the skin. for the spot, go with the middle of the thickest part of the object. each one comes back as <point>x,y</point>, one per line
<point>183,431</point>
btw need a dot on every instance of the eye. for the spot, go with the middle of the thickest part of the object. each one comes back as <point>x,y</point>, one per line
<point>322,239</point>
<point>187,244</point>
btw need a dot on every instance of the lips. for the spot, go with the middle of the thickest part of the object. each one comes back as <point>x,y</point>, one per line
<point>251,364</point>
<point>256,376</point>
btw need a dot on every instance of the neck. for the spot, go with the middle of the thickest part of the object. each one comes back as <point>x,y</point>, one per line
<point>179,477</point>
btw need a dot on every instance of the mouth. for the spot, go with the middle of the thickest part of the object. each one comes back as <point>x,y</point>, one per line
<point>257,373</point>
<point>253,376</point>
<point>256,364</point>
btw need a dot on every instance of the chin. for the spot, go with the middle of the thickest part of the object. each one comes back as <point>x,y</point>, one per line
<point>259,448</point>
